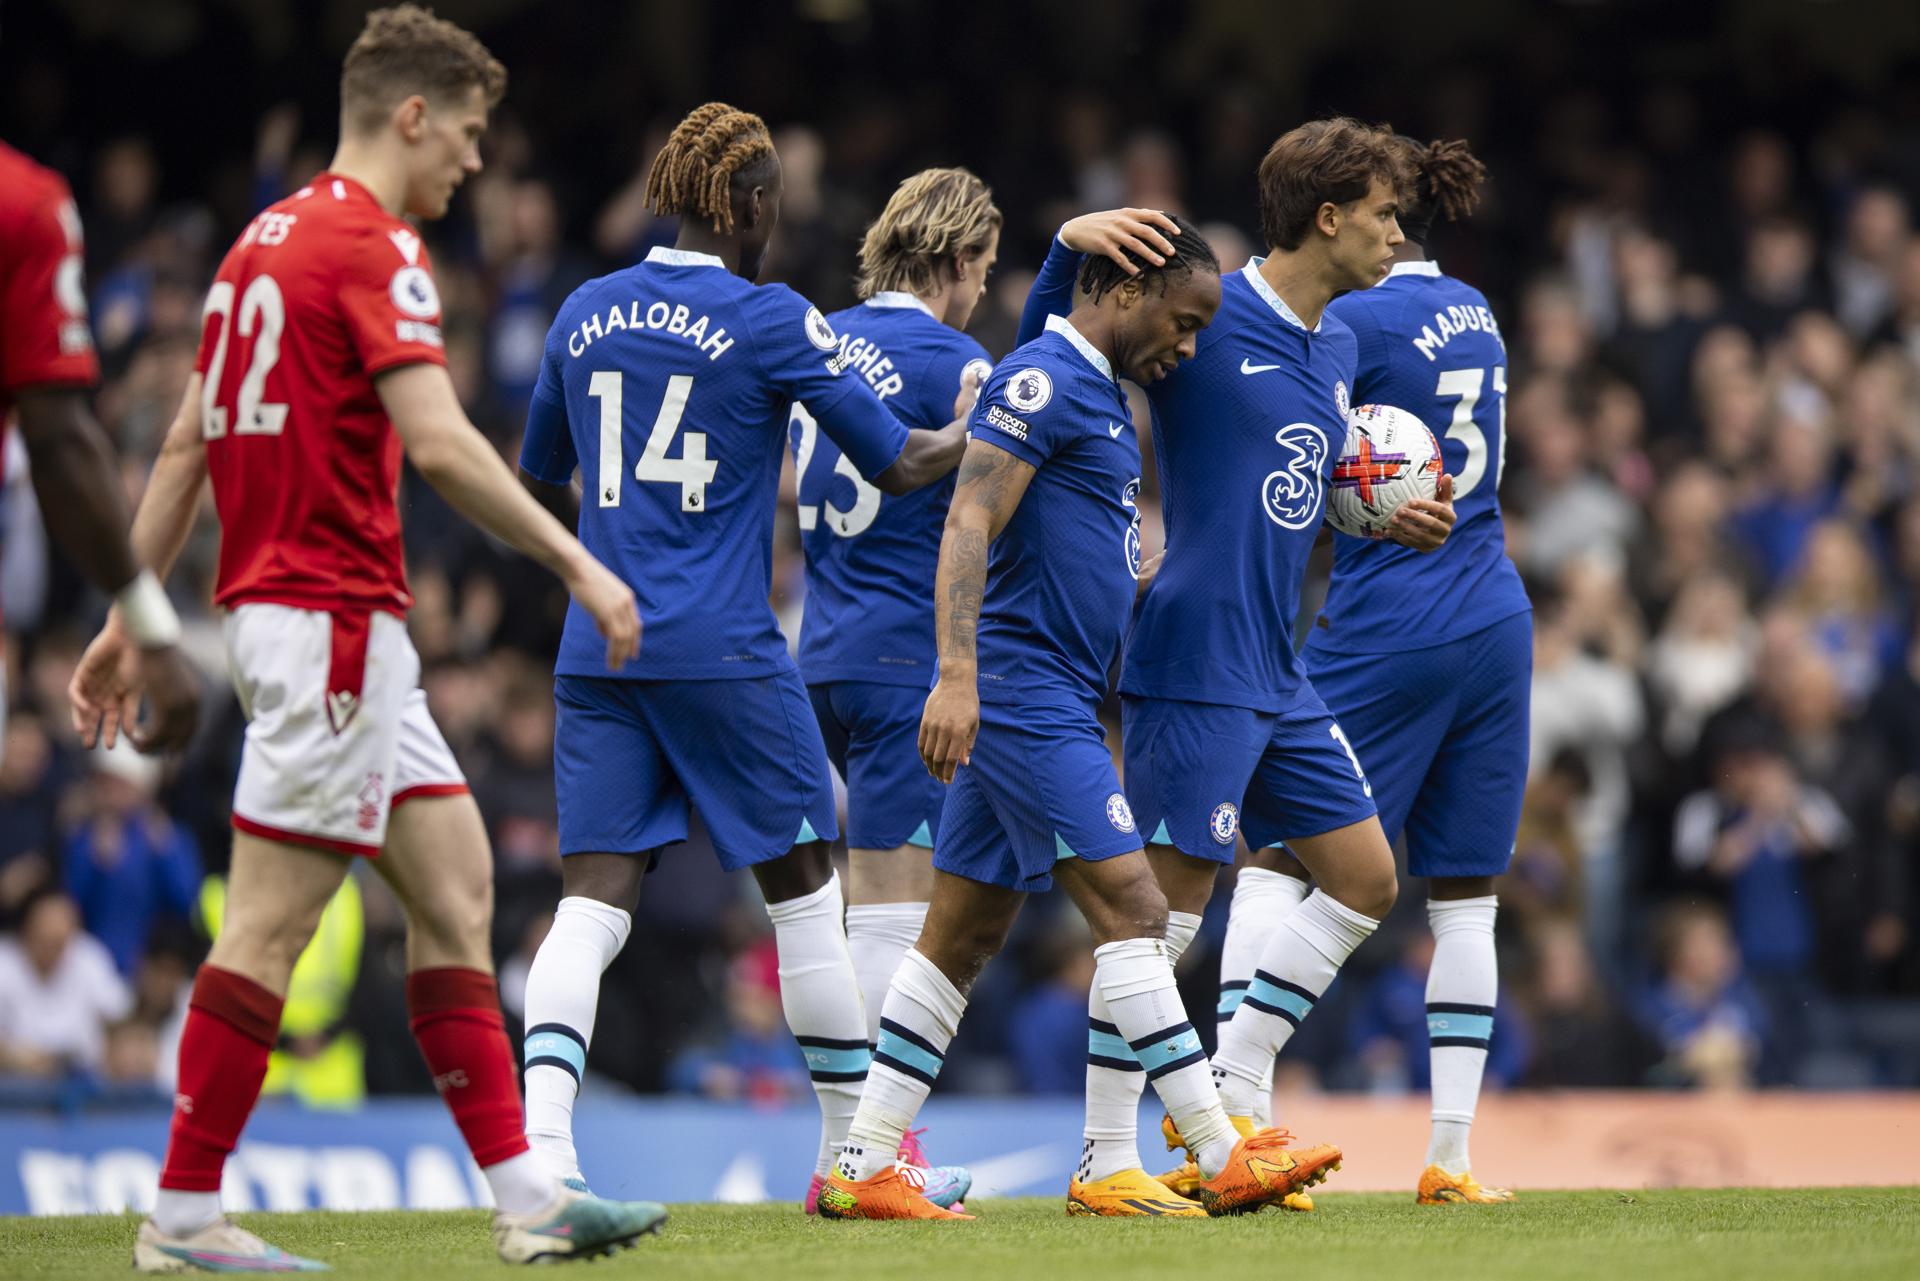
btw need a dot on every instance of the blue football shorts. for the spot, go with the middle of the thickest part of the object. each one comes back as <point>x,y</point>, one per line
<point>872,732</point>
<point>1443,734</point>
<point>631,757</point>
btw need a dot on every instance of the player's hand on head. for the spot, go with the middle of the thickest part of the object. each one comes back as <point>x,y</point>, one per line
<point>1115,233</point>
<point>173,701</point>
<point>615,613</point>
<point>947,728</point>
<point>1424,523</point>
<point>104,693</point>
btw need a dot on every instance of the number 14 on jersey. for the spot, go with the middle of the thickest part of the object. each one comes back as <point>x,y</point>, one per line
<point>693,471</point>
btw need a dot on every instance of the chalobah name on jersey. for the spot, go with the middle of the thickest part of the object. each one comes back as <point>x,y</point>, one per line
<point>872,364</point>
<point>671,318</point>
<point>1450,323</point>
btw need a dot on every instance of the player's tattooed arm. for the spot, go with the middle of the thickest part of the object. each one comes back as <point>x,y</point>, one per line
<point>992,483</point>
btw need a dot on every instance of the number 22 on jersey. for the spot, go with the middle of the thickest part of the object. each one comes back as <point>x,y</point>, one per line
<point>262,317</point>
<point>693,471</point>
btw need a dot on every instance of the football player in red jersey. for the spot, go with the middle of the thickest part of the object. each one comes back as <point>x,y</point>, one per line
<point>320,359</point>
<point>46,366</point>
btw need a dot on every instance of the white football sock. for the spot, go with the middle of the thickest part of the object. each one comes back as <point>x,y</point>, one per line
<point>1115,1077</point>
<point>181,1214</point>
<point>563,994</point>
<point>521,1184</point>
<point>878,935</point>
<point>1137,982</point>
<point>1462,986</point>
<point>1297,965</point>
<point>917,1023</point>
<point>1261,900</point>
<point>822,1004</point>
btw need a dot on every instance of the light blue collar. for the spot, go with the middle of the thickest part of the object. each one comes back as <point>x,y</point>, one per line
<point>683,257</point>
<point>1424,267</point>
<point>1260,286</point>
<point>898,298</point>
<point>1060,325</point>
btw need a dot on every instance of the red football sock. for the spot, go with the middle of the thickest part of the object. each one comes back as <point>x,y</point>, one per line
<point>232,1023</point>
<point>455,1016</point>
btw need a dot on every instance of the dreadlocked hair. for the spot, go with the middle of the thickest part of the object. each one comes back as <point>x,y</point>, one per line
<point>1099,274</point>
<point>1448,179</point>
<point>715,149</point>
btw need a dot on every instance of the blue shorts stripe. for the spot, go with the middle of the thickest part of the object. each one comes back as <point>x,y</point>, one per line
<point>901,1049</point>
<point>1168,1049</point>
<point>556,1045</point>
<point>922,836</point>
<point>1289,1001</point>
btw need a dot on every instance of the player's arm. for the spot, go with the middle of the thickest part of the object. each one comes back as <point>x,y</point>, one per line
<point>135,652</point>
<point>1114,233</point>
<point>870,436</point>
<point>457,460</point>
<point>561,501</point>
<point>992,482</point>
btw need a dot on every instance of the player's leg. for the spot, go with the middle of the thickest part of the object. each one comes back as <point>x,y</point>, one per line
<point>310,794</point>
<point>1239,1170</point>
<point>1310,791</point>
<point>1178,756</point>
<point>606,836</point>
<point>981,875</point>
<point>1459,837</point>
<point>751,757</point>
<point>440,866</point>
<point>893,813</point>
<point>1268,886</point>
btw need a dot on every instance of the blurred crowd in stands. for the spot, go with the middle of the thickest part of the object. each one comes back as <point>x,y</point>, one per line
<point>1712,312</point>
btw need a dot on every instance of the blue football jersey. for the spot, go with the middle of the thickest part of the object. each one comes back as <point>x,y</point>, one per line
<point>1429,345</point>
<point>1062,574</point>
<point>871,556</point>
<point>1245,438</point>
<point>669,383</point>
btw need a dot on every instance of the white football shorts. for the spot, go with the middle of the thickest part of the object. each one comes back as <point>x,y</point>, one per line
<point>338,731</point>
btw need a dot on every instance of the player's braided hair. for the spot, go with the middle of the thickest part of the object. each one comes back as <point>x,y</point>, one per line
<point>716,148</point>
<point>1447,181</point>
<point>1100,274</point>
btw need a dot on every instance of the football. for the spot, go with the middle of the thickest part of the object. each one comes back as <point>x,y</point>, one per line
<point>1390,456</point>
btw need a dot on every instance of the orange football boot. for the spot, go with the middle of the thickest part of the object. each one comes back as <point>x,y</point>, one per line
<point>1264,1171</point>
<point>887,1195</point>
<point>1438,1187</point>
<point>1187,1178</point>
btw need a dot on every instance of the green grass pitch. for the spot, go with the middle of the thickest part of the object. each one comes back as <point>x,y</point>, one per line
<point>1861,1234</point>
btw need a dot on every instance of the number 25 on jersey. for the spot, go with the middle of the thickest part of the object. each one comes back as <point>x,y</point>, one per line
<point>693,471</point>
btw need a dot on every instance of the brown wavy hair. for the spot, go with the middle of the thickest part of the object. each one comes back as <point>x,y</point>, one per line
<point>1332,161</point>
<point>405,50</point>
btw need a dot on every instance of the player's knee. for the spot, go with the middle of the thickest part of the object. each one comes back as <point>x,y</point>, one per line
<point>1373,892</point>
<point>454,915</point>
<point>260,948</point>
<point>1136,908</point>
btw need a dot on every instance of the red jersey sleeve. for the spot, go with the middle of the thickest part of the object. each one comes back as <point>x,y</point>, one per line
<point>389,301</point>
<point>44,337</point>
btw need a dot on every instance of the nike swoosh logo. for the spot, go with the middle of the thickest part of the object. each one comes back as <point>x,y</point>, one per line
<point>1114,429</point>
<point>1247,368</point>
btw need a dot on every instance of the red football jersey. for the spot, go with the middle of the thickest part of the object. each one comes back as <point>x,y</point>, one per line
<point>323,291</point>
<point>44,339</point>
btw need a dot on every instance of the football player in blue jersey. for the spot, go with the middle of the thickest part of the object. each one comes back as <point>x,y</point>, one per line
<point>866,643</point>
<point>668,386</point>
<point>1221,729</point>
<point>1428,660</point>
<point>1039,569</point>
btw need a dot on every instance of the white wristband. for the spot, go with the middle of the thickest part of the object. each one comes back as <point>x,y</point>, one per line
<point>147,614</point>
